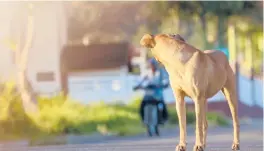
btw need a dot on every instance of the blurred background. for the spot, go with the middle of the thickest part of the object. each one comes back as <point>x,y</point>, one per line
<point>69,67</point>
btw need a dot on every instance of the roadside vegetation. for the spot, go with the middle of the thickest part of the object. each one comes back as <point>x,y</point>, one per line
<point>60,116</point>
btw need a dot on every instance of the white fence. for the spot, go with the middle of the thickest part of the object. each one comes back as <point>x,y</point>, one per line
<point>244,92</point>
<point>105,91</point>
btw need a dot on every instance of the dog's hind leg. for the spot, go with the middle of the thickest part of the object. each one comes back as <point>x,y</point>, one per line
<point>181,112</point>
<point>230,93</point>
<point>205,124</point>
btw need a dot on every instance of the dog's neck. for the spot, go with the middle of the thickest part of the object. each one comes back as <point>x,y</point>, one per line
<point>172,50</point>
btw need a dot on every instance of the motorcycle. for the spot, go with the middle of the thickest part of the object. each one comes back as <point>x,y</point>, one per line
<point>152,110</point>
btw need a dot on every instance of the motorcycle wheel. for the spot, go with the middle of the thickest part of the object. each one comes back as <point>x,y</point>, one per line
<point>157,131</point>
<point>149,131</point>
<point>152,130</point>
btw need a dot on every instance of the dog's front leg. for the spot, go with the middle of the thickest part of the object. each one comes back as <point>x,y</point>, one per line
<point>199,113</point>
<point>181,112</point>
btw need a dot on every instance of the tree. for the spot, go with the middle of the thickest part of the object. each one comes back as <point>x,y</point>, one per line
<point>219,9</point>
<point>214,18</point>
<point>141,31</point>
<point>179,17</point>
<point>103,21</point>
<point>225,9</point>
<point>20,43</point>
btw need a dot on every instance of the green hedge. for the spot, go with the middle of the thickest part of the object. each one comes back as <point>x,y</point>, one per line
<point>213,118</point>
<point>59,115</point>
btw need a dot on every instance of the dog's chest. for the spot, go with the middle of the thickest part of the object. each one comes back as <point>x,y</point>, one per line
<point>192,79</point>
<point>179,79</point>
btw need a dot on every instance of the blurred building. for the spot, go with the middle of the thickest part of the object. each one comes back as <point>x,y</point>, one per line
<point>50,34</point>
<point>97,71</point>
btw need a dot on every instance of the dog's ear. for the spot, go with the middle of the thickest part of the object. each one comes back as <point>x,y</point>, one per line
<point>148,41</point>
<point>178,37</point>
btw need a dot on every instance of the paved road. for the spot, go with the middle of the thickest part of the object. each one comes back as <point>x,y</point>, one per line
<point>219,139</point>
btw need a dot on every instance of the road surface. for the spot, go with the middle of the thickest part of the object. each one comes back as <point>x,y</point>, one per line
<point>219,139</point>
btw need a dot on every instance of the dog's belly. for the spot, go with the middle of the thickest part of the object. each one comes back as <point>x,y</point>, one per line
<point>205,85</point>
<point>216,80</point>
<point>193,91</point>
<point>212,91</point>
<point>215,84</point>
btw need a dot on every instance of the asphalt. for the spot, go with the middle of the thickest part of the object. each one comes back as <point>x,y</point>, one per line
<point>219,139</point>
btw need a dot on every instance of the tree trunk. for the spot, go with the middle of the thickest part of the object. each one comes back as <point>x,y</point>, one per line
<point>28,97</point>
<point>204,28</point>
<point>221,31</point>
<point>189,30</point>
<point>232,43</point>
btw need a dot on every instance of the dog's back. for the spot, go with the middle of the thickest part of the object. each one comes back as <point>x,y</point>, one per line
<point>177,36</point>
<point>218,56</point>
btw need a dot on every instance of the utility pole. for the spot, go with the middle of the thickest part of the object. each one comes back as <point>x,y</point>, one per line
<point>233,54</point>
<point>249,59</point>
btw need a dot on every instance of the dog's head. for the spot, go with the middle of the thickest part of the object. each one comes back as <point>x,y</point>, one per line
<point>163,45</point>
<point>149,41</point>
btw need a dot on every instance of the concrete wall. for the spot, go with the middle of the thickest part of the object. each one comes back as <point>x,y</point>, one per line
<point>50,36</point>
<point>93,86</point>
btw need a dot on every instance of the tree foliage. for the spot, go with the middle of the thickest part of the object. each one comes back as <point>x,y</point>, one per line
<point>204,23</point>
<point>104,21</point>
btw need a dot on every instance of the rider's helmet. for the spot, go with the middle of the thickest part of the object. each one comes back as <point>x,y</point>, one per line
<point>154,64</point>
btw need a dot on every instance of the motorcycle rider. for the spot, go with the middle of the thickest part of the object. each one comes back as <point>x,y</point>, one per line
<point>156,77</point>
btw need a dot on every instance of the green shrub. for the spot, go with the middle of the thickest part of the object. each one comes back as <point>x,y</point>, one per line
<point>14,123</point>
<point>60,115</point>
<point>72,117</point>
<point>217,119</point>
<point>212,117</point>
<point>135,103</point>
<point>173,117</point>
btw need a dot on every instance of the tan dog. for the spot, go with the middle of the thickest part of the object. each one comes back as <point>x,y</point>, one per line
<point>199,75</point>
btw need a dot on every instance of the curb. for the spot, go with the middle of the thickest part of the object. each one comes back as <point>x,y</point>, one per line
<point>70,139</point>
<point>51,140</point>
<point>81,139</point>
<point>22,143</point>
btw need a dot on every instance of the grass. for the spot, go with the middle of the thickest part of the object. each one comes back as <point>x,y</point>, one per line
<point>60,116</point>
<point>213,118</point>
<point>190,116</point>
<point>72,117</point>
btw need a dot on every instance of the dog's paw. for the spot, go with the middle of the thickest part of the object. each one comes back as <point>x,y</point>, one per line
<point>180,148</point>
<point>235,147</point>
<point>198,148</point>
